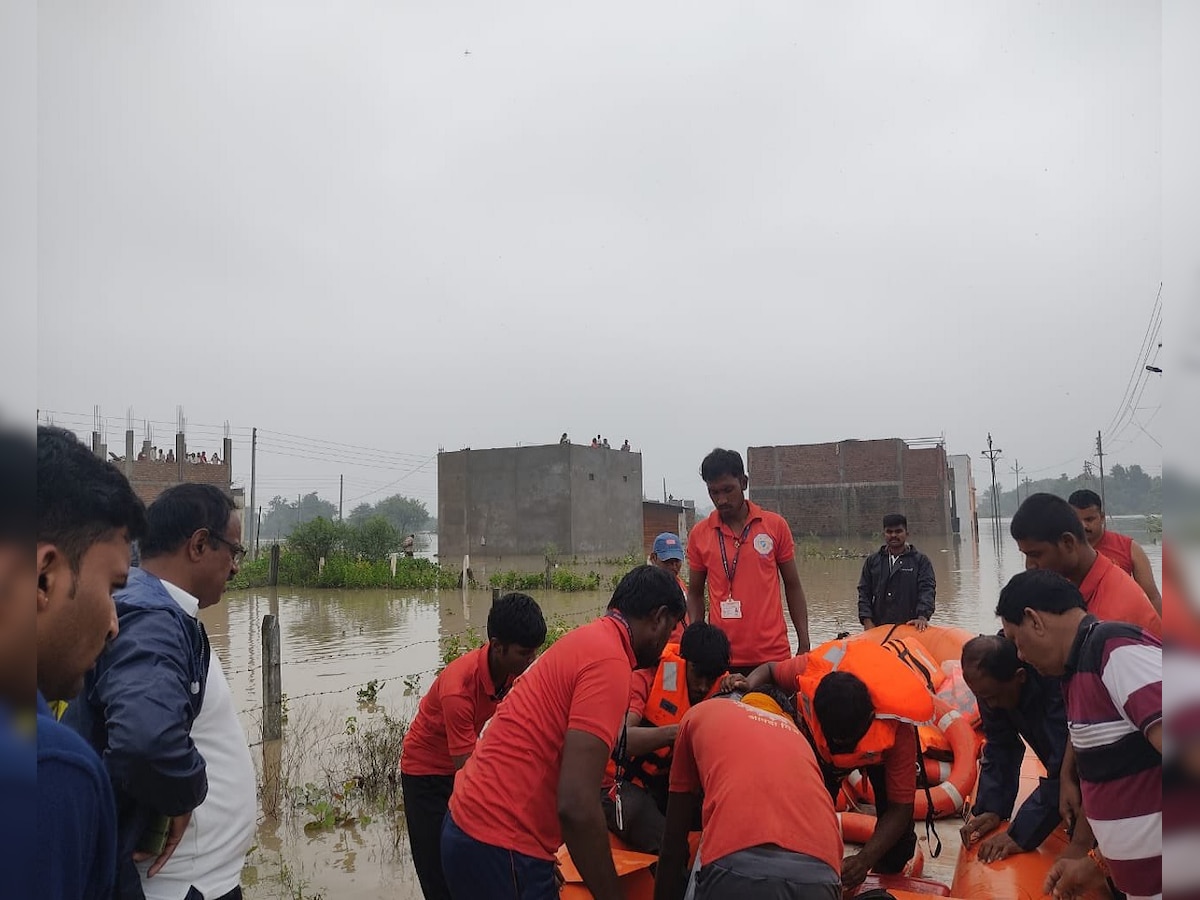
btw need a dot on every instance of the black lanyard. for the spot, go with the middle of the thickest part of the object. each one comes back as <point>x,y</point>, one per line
<point>730,571</point>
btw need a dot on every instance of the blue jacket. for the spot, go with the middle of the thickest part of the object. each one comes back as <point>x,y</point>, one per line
<point>76,821</point>
<point>137,709</point>
<point>1041,719</point>
<point>20,855</point>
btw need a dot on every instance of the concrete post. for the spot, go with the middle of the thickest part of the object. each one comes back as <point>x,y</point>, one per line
<point>129,454</point>
<point>180,455</point>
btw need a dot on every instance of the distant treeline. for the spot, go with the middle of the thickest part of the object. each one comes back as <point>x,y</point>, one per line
<point>1128,491</point>
<point>281,516</point>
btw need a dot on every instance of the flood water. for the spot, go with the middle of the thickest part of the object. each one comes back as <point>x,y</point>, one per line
<point>335,642</point>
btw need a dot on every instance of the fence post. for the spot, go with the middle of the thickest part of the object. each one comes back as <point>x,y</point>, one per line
<point>273,570</point>
<point>272,682</point>
<point>495,594</point>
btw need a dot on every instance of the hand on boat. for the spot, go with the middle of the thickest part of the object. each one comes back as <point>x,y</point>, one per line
<point>1073,878</point>
<point>978,826</point>
<point>997,847</point>
<point>920,623</point>
<point>854,871</point>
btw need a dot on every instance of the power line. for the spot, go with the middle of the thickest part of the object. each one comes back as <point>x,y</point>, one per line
<point>1139,363</point>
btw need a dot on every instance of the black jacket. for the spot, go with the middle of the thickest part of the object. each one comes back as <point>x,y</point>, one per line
<point>890,595</point>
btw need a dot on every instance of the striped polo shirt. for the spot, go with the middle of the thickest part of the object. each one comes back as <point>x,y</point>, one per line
<point>1113,692</point>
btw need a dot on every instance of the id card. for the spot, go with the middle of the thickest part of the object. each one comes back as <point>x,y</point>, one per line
<point>731,609</point>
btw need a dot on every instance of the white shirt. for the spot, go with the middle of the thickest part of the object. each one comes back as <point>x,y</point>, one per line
<point>213,850</point>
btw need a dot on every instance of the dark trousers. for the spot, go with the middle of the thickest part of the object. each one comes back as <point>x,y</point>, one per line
<point>426,799</point>
<point>897,856</point>
<point>643,819</point>
<point>478,871</point>
<point>235,894</point>
<point>767,873</point>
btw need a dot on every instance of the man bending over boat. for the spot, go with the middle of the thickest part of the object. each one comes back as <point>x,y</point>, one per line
<point>443,734</point>
<point>533,781</point>
<point>688,672</point>
<point>860,707</point>
<point>1017,706</point>
<point>1112,685</point>
<point>768,838</point>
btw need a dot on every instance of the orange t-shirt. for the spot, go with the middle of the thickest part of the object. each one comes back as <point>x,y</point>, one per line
<point>760,634</point>
<point>1113,596</point>
<point>450,716</point>
<point>899,763</point>
<point>722,749</point>
<point>1118,548</point>
<point>507,793</point>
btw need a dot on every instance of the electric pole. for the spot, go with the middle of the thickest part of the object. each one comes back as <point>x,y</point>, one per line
<point>341,494</point>
<point>1016,470</point>
<point>993,454</point>
<point>1100,453</point>
<point>253,475</point>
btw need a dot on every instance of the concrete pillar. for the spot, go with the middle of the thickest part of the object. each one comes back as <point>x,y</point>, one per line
<point>129,454</point>
<point>227,455</point>
<point>180,455</point>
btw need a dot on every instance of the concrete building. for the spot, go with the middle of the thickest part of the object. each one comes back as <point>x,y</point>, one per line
<point>517,501</point>
<point>964,514</point>
<point>846,488</point>
<point>150,477</point>
<point>673,515</point>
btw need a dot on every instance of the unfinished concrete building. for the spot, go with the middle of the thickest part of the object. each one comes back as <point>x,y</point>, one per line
<point>846,488</point>
<point>517,501</point>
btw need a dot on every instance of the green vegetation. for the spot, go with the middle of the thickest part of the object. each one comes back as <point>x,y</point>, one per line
<point>342,571</point>
<point>282,517</point>
<point>1128,491</point>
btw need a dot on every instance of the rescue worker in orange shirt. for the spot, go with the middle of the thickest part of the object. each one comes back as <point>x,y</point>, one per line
<point>688,673</point>
<point>667,553</point>
<point>1049,533</point>
<point>1120,548</point>
<point>860,707</point>
<point>765,838</point>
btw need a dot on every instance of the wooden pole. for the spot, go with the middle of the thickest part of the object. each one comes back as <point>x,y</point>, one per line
<point>272,680</point>
<point>273,570</point>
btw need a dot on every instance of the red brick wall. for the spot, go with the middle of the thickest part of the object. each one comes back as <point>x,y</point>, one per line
<point>660,517</point>
<point>151,477</point>
<point>847,487</point>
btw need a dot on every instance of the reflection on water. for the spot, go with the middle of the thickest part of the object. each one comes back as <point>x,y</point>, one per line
<point>334,641</point>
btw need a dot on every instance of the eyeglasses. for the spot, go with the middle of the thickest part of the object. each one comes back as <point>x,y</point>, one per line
<point>238,551</point>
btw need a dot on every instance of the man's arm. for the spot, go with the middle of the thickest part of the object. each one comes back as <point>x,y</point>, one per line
<point>144,690</point>
<point>640,740</point>
<point>999,766</point>
<point>695,594</point>
<point>671,880</point>
<point>458,715</point>
<point>1144,575</point>
<point>796,602</point>
<point>926,588</point>
<point>866,595</point>
<point>581,816</point>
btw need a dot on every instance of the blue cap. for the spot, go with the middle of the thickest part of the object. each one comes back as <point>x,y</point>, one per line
<point>668,546</point>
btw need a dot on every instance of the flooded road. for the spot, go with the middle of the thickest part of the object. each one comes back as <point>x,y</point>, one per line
<point>335,642</point>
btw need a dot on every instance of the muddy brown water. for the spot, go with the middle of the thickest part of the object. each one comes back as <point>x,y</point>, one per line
<point>336,641</point>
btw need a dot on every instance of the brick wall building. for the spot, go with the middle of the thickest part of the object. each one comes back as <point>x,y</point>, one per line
<point>150,477</point>
<point>845,488</point>
<point>657,517</point>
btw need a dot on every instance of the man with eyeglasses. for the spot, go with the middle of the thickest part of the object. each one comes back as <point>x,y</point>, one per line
<point>159,710</point>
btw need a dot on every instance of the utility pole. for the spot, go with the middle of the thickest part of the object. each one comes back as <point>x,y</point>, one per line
<point>993,454</point>
<point>664,490</point>
<point>257,529</point>
<point>1016,470</point>
<point>1100,453</point>
<point>299,518</point>
<point>341,494</point>
<point>253,476</point>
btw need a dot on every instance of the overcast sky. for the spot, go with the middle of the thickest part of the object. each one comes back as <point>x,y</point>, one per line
<point>403,226</point>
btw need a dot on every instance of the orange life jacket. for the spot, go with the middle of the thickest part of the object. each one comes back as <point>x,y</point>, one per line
<point>666,705</point>
<point>897,694</point>
<point>913,654</point>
